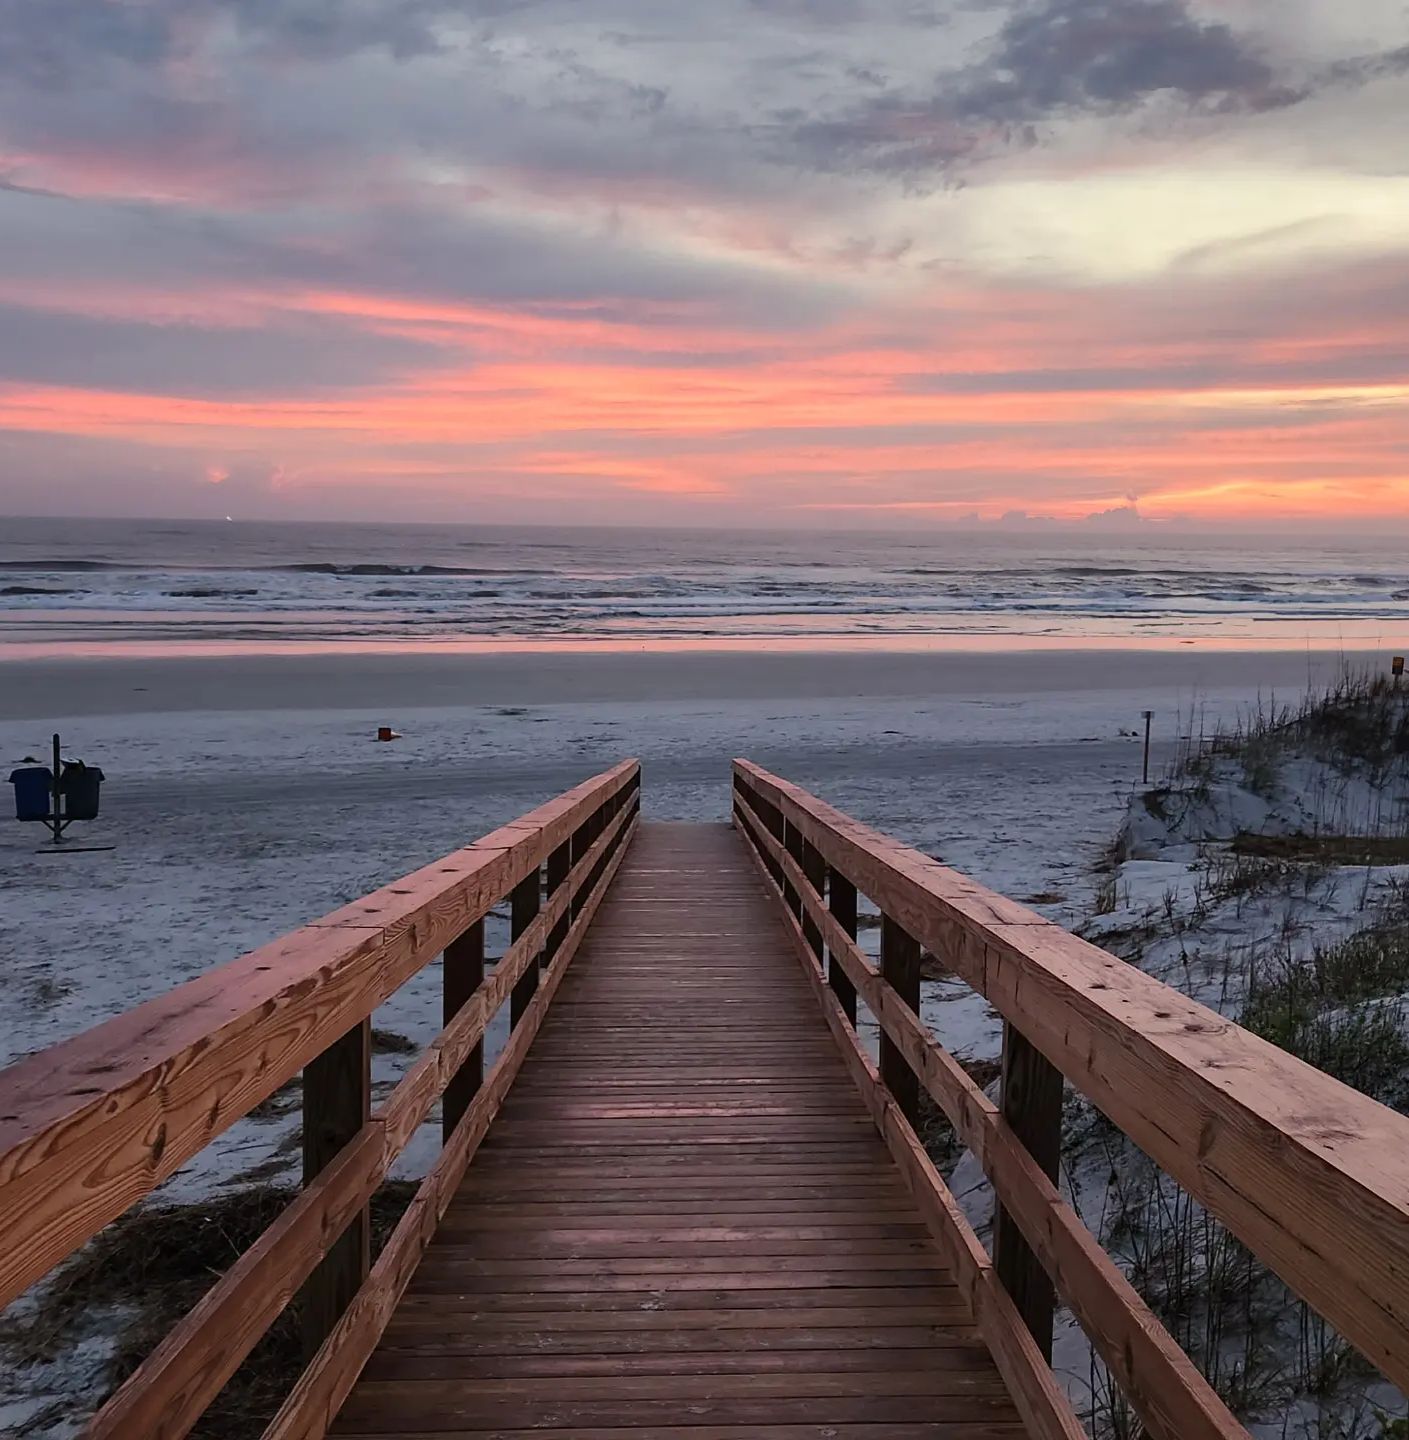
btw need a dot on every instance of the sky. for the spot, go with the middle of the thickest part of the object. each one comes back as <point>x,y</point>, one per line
<point>801,262</point>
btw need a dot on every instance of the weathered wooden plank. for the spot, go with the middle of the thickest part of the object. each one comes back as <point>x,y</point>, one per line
<point>526,1253</point>
<point>1172,1398</point>
<point>89,1127</point>
<point>316,1398</point>
<point>807,1430</point>
<point>1280,1153</point>
<point>165,1396</point>
<point>1044,1408</point>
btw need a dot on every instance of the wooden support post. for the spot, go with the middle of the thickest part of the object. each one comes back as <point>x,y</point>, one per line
<point>464,973</point>
<point>524,902</point>
<point>841,901</point>
<point>900,968</point>
<point>578,846</point>
<point>1032,1105</point>
<point>792,843</point>
<point>814,867</point>
<point>559,864</point>
<point>337,1102</point>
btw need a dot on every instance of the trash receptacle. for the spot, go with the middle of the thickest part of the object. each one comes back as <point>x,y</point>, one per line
<point>34,792</point>
<point>79,786</point>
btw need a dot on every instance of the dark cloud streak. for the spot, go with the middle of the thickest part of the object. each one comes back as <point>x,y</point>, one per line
<point>1061,58</point>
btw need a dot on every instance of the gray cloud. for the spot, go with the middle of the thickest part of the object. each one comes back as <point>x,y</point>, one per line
<point>298,356</point>
<point>65,42</point>
<point>1362,69</point>
<point>1058,58</point>
<point>1111,56</point>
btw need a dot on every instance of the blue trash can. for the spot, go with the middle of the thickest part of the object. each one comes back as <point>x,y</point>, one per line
<point>79,786</point>
<point>34,792</point>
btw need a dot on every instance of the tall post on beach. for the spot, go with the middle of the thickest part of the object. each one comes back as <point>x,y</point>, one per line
<point>1149,716</point>
<point>56,823</point>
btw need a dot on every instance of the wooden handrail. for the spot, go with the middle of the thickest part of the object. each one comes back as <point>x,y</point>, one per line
<point>320,1392</point>
<point>1045,1411</point>
<point>1287,1158</point>
<point>92,1125</point>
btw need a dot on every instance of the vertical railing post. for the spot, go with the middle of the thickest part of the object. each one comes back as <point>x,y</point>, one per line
<point>464,974</point>
<point>578,846</point>
<point>524,903</point>
<point>559,864</point>
<point>1031,1103</point>
<point>814,867</point>
<point>841,901</point>
<point>337,1103</point>
<point>792,843</point>
<point>900,968</point>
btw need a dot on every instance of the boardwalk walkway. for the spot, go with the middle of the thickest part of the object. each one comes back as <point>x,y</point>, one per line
<point>683,1202</point>
<point>683,1221</point>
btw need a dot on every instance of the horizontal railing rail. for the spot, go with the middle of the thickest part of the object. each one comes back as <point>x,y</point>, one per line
<point>1310,1175</point>
<point>91,1126</point>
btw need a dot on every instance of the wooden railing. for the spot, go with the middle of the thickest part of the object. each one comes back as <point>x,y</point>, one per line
<point>1310,1175</point>
<point>92,1126</point>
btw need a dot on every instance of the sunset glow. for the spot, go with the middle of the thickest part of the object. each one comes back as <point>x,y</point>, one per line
<point>766,262</point>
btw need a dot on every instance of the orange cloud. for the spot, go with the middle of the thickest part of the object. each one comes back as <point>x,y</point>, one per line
<point>969,399</point>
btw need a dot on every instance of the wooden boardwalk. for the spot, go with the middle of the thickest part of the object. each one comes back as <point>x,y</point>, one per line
<point>683,1221</point>
<point>683,1201</point>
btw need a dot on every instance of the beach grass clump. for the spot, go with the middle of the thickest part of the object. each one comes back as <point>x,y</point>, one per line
<point>1343,1007</point>
<point>139,1276</point>
<point>1358,724</point>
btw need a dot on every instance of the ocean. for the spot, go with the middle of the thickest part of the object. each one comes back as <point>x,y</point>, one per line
<point>94,582</point>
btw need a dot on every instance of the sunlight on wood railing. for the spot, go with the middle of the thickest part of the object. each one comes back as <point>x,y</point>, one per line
<point>1310,1175</point>
<point>92,1126</point>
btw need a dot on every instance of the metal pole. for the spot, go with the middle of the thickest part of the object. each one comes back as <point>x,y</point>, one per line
<point>56,824</point>
<point>1149,716</point>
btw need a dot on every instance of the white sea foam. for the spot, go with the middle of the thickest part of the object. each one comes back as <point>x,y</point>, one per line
<point>205,580</point>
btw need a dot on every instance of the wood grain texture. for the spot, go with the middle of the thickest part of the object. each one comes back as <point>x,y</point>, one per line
<point>165,1396</point>
<point>1044,1408</point>
<point>91,1126</point>
<point>316,1398</point>
<point>1312,1176</point>
<point>682,1211</point>
<point>1171,1397</point>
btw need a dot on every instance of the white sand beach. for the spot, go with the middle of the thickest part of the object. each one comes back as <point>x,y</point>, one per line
<point>247,795</point>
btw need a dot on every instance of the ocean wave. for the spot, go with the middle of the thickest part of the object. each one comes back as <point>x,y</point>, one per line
<point>328,567</point>
<point>64,567</point>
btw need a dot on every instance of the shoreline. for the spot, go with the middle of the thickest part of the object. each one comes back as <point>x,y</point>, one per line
<point>26,641</point>
<point>391,683</point>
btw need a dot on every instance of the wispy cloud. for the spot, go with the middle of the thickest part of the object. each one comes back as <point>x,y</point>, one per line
<point>749,258</point>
